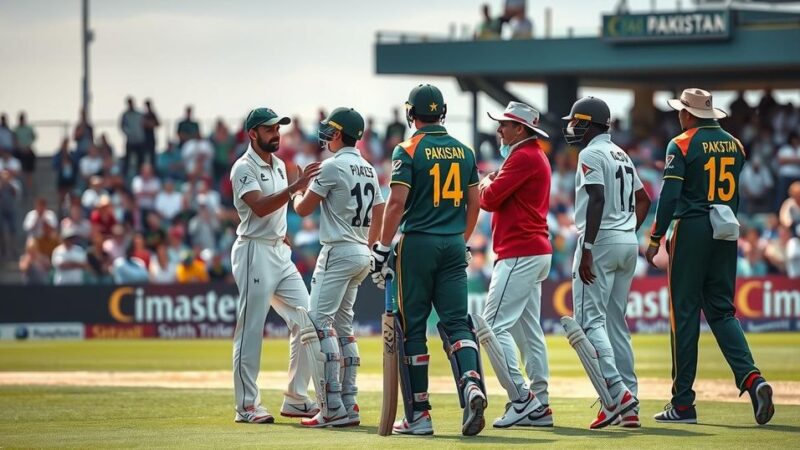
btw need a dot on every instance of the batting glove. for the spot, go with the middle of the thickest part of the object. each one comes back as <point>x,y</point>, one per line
<point>469,255</point>
<point>380,255</point>
<point>379,278</point>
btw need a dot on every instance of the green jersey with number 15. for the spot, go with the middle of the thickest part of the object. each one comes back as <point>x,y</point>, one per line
<point>438,169</point>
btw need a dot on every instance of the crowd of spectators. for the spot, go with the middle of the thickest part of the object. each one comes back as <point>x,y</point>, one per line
<point>513,23</point>
<point>167,217</point>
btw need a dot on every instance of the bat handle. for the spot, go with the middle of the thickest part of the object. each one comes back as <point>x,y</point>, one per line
<point>388,300</point>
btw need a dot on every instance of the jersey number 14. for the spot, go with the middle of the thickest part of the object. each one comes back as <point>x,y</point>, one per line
<point>451,190</point>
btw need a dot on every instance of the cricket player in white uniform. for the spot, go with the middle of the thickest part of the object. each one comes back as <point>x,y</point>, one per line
<point>610,205</point>
<point>352,211</point>
<point>263,269</point>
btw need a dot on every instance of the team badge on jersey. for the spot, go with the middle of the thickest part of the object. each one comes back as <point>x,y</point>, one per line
<point>586,169</point>
<point>396,164</point>
<point>243,180</point>
<point>668,162</point>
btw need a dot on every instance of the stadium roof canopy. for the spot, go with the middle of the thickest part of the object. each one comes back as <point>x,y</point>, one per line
<point>715,49</point>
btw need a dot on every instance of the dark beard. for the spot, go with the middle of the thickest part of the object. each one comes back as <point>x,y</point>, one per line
<point>269,147</point>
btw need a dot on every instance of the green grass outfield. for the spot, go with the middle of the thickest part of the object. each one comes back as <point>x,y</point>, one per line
<point>777,354</point>
<point>35,416</point>
<point>113,417</point>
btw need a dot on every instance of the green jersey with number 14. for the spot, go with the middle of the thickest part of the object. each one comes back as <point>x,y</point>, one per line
<point>438,169</point>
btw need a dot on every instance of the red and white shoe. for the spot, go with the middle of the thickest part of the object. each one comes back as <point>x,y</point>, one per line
<point>629,419</point>
<point>421,425</point>
<point>353,415</point>
<point>254,414</point>
<point>624,402</point>
<point>337,418</point>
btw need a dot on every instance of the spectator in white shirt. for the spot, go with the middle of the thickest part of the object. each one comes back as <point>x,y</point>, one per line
<point>145,187</point>
<point>115,245</point>
<point>9,163</point>
<point>92,195</point>
<point>32,224</point>
<point>169,202</point>
<point>197,155</point>
<point>69,260</point>
<point>209,197</point>
<point>203,227</point>
<point>162,269</point>
<point>91,164</point>
<point>755,186</point>
<point>77,220</point>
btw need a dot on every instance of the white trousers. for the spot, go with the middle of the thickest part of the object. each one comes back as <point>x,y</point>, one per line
<point>340,270</point>
<point>512,310</point>
<point>266,276</point>
<point>600,307</point>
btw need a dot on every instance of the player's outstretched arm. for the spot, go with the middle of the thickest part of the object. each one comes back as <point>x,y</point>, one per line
<point>642,207</point>
<point>305,204</point>
<point>263,205</point>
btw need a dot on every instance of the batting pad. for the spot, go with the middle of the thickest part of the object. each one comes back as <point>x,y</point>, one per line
<point>489,341</point>
<point>588,356</point>
<point>313,354</point>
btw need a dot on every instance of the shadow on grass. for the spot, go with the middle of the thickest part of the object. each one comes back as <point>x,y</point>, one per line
<point>620,433</point>
<point>480,439</point>
<point>755,427</point>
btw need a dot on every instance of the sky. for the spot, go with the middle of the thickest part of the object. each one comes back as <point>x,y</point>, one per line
<point>226,57</point>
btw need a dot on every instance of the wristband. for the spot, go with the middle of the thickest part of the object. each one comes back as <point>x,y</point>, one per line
<point>588,246</point>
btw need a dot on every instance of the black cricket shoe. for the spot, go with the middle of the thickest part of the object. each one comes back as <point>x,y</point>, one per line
<point>761,395</point>
<point>671,414</point>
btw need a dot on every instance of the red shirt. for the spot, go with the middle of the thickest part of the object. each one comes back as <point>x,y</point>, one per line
<point>519,197</point>
<point>104,224</point>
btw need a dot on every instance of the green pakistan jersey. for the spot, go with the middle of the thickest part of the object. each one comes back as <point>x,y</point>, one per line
<point>438,169</point>
<point>707,161</point>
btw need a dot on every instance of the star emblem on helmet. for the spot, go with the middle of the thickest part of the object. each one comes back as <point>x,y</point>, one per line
<point>433,106</point>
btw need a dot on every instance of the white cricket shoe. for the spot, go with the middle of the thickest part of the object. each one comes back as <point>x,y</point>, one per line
<point>517,410</point>
<point>254,414</point>
<point>421,425</point>
<point>541,417</point>
<point>336,418</point>
<point>307,408</point>
<point>473,413</point>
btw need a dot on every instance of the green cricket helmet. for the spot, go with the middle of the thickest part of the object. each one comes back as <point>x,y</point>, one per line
<point>585,112</point>
<point>426,103</point>
<point>346,120</point>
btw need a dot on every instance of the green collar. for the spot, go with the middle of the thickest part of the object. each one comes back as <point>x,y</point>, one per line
<point>707,123</point>
<point>431,129</point>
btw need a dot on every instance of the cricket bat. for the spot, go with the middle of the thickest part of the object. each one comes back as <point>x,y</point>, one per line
<point>390,361</point>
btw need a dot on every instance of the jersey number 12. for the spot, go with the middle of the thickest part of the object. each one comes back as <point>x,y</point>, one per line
<point>369,189</point>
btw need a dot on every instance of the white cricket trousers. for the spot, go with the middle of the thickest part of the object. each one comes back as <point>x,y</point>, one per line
<point>600,307</point>
<point>513,307</point>
<point>265,275</point>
